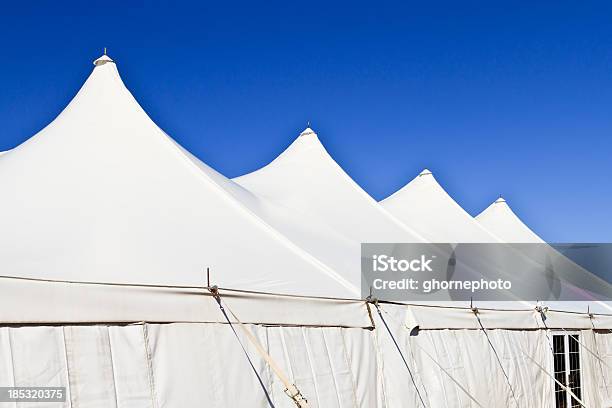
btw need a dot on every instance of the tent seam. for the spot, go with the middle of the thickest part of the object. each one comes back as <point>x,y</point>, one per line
<point>440,376</point>
<point>149,365</point>
<point>268,368</point>
<point>296,249</point>
<point>286,353</point>
<point>416,366</point>
<point>380,369</point>
<point>213,339</point>
<point>331,366</point>
<point>349,363</point>
<point>112,361</point>
<point>66,358</point>
<point>311,366</point>
<point>8,330</point>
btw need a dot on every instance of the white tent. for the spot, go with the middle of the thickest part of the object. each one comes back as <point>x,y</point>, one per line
<point>107,228</point>
<point>102,194</point>
<point>305,177</point>
<point>503,222</point>
<point>306,180</point>
<point>424,205</point>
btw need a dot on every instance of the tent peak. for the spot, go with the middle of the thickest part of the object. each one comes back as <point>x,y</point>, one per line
<point>425,172</point>
<point>499,200</point>
<point>307,131</point>
<point>103,59</point>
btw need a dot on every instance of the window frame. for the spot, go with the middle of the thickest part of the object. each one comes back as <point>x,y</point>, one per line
<point>567,367</point>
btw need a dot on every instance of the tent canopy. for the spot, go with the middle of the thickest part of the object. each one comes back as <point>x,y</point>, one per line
<point>102,194</point>
<point>504,223</point>
<point>307,181</point>
<point>426,206</point>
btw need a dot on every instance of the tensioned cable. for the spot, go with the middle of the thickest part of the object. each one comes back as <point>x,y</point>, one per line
<point>263,387</point>
<point>496,356</point>
<point>542,312</point>
<point>399,350</point>
<point>291,390</point>
<point>601,361</point>
<point>253,292</point>
<point>593,353</point>
<point>440,366</point>
<point>160,286</point>
<point>556,381</point>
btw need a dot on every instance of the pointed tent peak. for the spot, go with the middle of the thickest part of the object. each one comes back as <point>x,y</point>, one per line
<point>425,172</point>
<point>308,131</point>
<point>103,59</point>
<point>499,200</point>
<point>502,221</point>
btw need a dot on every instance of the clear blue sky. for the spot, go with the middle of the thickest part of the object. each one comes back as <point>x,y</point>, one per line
<point>506,98</point>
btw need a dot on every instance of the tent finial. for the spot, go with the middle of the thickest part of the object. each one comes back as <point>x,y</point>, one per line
<point>104,50</point>
<point>308,124</point>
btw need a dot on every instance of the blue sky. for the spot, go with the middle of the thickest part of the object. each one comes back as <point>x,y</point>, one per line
<point>505,98</point>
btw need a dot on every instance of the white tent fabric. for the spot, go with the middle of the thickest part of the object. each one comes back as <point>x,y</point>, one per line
<point>429,209</point>
<point>107,229</point>
<point>306,180</point>
<point>102,194</point>
<point>181,364</point>
<point>484,367</point>
<point>26,301</point>
<point>504,223</point>
<point>425,206</point>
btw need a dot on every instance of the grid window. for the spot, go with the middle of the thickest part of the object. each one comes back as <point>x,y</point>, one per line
<point>566,359</point>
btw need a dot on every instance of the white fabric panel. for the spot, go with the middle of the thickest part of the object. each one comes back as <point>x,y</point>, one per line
<point>528,382</point>
<point>27,301</point>
<point>39,360</point>
<point>331,372</point>
<point>332,342</point>
<point>400,383</point>
<point>302,371</point>
<point>212,367</point>
<point>6,364</point>
<point>107,303</point>
<point>428,209</point>
<point>332,367</point>
<point>307,181</point>
<point>184,349</point>
<point>170,365</point>
<point>184,365</point>
<point>458,368</point>
<point>90,364</point>
<point>441,317</point>
<point>499,219</point>
<point>359,350</point>
<point>604,342</point>
<point>596,355</point>
<point>130,367</point>
<point>426,317</point>
<point>452,368</point>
